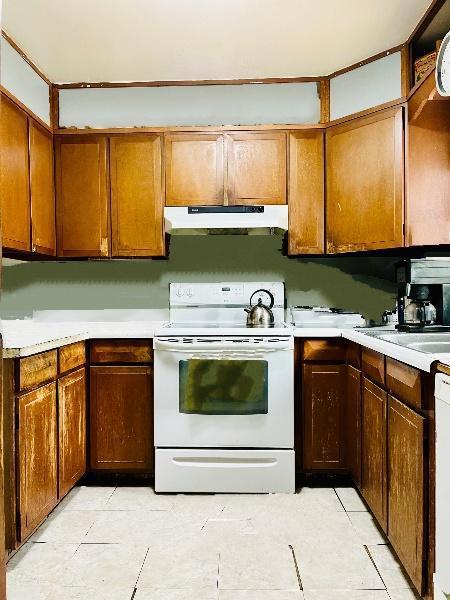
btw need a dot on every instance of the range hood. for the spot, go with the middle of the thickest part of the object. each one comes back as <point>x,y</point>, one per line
<point>225,220</point>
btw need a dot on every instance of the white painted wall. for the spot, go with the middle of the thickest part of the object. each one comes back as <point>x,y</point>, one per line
<point>367,86</point>
<point>248,104</point>
<point>18,77</point>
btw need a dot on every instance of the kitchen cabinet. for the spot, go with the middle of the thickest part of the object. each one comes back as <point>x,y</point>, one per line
<point>374,454</point>
<point>256,167</point>
<point>82,196</point>
<point>406,502</point>
<point>353,423</point>
<point>365,183</point>
<point>14,177</point>
<point>136,195</point>
<point>43,223</point>
<point>306,193</point>
<point>36,457</point>
<point>121,418</point>
<point>323,416</point>
<point>72,429</point>
<point>428,167</point>
<point>194,166</point>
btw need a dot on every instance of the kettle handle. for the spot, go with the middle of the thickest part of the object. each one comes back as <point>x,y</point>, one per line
<point>272,299</point>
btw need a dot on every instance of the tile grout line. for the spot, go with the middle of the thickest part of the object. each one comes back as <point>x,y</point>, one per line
<point>218,572</point>
<point>300,583</point>
<point>366,548</point>
<point>140,571</point>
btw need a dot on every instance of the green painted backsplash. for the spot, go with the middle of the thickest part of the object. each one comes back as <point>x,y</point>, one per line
<point>359,283</point>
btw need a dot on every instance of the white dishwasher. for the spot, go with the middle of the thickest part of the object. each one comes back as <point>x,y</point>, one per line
<point>442,575</point>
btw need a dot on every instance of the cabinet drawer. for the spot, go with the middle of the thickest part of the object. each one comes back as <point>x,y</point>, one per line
<point>354,354</point>
<point>71,356</point>
<point>37,369</point>
<point>121,351</point>
<point>373,365</point>
<point>404,382</point>
<point>328,350</point>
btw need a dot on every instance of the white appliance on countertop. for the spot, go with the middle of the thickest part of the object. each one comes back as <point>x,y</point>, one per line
<point>323,316</point>
<point>442,575</point>
<point>224,393</point>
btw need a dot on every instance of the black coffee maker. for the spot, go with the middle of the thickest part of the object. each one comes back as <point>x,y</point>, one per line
<point>423,294</point>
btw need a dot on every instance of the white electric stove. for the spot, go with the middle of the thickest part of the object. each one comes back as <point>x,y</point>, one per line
<point>224,393</point>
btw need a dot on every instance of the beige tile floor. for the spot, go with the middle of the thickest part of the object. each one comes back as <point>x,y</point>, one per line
<point>127,543</point>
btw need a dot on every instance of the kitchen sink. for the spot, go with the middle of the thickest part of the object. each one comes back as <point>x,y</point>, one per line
<point>432,343</point>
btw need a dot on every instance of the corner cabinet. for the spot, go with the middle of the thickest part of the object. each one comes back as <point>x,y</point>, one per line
<point>82,198</point>
<point>136,196</point>
<point>365,183</point>
<point>306,193</point>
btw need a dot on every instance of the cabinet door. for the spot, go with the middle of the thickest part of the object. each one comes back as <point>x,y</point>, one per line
<point>323,414</point>
<point>365,176</point>
<point>14,177</point>
<point>72,429</point>
<point>136,196</point>
<point>353,423</point>
<point>121,418</point>
<point>256,168</point>
<point>406,433</point>
<point>43,234</point>
<point>37,457</point>
<point>81,195</point>
<point>374,487</point>
<point>306,193</point>
<point>194,169</point>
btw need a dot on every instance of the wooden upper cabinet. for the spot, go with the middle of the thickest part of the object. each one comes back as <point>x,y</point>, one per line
<point>14,177</point>
<point>256,168</point>
<point>82,195</point>
<point>136,195</point>
<point>374,431</point>
<point>428,167</point>
<point>194,169</point>
<point>37,457</point>
<point>306,193</point>
<point>406,500</point>
<point>365,183</point>
<point>43,222</point>
<point>72,429</point>
<point>323,413</point>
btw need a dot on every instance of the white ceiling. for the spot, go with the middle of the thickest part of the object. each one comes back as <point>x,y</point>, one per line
<point>142,40</point>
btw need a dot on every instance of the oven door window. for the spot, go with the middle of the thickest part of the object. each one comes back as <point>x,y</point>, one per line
<point>223,387</point>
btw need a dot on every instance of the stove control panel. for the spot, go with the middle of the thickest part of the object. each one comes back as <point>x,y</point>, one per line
<point>221,294</point>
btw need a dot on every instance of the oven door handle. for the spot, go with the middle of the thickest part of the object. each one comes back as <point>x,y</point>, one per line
<point>225,353</point>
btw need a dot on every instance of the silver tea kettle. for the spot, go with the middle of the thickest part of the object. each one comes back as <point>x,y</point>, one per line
<point>260,315</point>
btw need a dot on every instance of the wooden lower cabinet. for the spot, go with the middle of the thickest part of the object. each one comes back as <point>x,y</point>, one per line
<point>72,429</point>
<point>406,470</point>
<point>121,418</point>
<point>37,457</point>
<point>323,416</point>
<point>374,421</point>
<point>353,423</point>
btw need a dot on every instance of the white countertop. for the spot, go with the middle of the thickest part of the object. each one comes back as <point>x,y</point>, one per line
<point>29,336</point>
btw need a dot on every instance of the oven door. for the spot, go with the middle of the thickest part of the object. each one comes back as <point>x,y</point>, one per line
<point>226,398</point>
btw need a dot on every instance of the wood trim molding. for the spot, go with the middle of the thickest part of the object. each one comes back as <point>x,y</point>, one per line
<point>324,93</point>
<point>28,60</point>
<point>180,129</point>
<point>192,82</point>
<point>25,108</point>
<point>369,111</point>
<point>54,107</point>
<point>405,70</point>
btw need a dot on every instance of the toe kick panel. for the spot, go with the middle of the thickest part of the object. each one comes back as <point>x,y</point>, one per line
<point>224,471</point>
